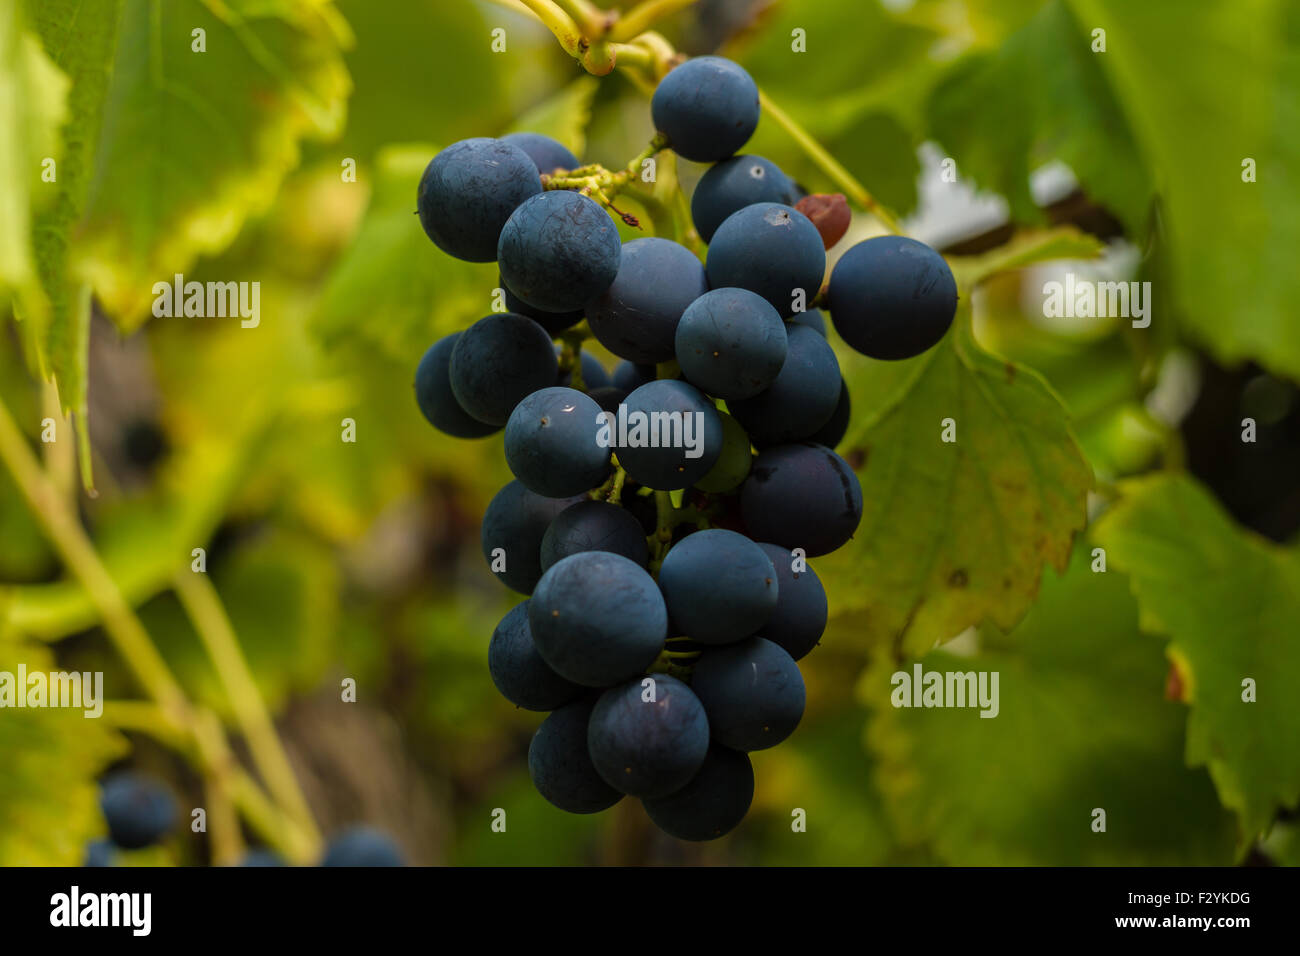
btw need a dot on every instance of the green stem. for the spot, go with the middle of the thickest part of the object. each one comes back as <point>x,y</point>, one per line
<point>645,15</point>
<point>223,819</point>
<point>828,163</point>
<point>204,607</point>
<point>64,531</point>
<point>175,718</point>
<point>631,54</point>
<point>562,25</point>
<point>590,19</point>
<point>616,493</point>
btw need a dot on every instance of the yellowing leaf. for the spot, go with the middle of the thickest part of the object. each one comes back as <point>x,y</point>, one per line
<point>194,143</point>
<point>33,95</point>
<point>82,46</point>
<point>956,532</point>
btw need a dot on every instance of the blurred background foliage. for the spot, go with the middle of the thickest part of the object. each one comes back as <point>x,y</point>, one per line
<point>360,560</point>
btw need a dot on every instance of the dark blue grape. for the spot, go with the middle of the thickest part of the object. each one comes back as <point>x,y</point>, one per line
<point>731,343</point>
<point>515,521</point>
<point>558,251</point>
<point>518,670</point>
<point>655,454</point>
<point>99,853</point>
<point>718,586</point>
<point>832,433</point>
<point>802,496</point>
<point>813,318</point>
<point>434,395</point>
<point>594,375</point>
<point>800,616</point>
<point>892,297</point>
<point>469,190</point>
<point>752,692</point>
<point>608,398</point>
<point>362,846</point>
<point>637,316</point>
<point>629,376</point>
<point>594,526</point>
<point>713,803</point>
<point>498,361</point>
<point>553,322</point>
<point>770,249</point>
<point>707,107</point>
<point>598,618</point>
<point>260,858</point>
<point>648,736</point>
<point>801,399</point>
<point>732,185</point>
<point>551,443</point>
<point>560,765</point>
<point>139,810</point>
<point>546,153</point>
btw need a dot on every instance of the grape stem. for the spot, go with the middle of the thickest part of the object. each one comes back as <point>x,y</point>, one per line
<point>644,15</point>
<point>603,185</point>
<point>828,163</point>
<point>590,19</point>
<point>616,492</point>
<point>599,43</point>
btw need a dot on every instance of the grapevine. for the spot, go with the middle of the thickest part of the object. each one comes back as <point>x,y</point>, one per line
<point>661,519</point>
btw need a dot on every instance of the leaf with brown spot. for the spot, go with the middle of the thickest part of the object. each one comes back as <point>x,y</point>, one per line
<point>988,511</point>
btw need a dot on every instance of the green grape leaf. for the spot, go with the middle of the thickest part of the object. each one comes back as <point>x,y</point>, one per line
<point>954,533</point>
<point>1228,602</point>
<point>1232,243</point>
<point>394,290</point>
<point>1040,96</point>
<point>33,106</point>
<point>193,143</point>
<point>83,48</point>
<point>1082,724</point>
<point>564,116</point>
<point>49,801</point>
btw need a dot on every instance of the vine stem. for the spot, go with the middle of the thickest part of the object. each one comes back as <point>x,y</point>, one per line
<point>223,819</point>
<point>202,603</point>
<point>592,21</point>
<point>554,18</point>
<point>64,531</point>
<point>616,491</point>
<point>644,15</point>
<point>828,163</point>
<point>175,718</point>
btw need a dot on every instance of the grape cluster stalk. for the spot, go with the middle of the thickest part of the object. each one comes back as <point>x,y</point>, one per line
<point>662,515</point>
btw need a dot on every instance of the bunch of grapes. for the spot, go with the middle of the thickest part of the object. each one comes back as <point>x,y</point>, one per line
<point>662,517</point>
